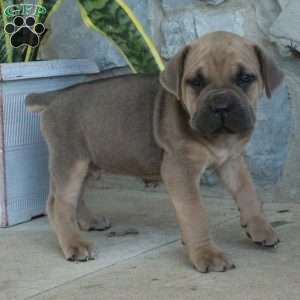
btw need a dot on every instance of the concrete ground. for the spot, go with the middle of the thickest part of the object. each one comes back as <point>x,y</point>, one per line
<point>151,264</point>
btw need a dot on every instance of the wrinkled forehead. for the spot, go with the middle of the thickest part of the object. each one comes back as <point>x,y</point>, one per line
<point>219,58</point>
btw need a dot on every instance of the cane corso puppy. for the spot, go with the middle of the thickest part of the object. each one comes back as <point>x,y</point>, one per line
<point>199,113</point>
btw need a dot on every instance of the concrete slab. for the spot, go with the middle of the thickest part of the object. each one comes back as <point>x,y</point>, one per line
<point>165,273</point>
<point>33,268</point>
<point>32,261</point>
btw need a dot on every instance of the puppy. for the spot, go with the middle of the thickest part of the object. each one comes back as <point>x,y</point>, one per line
<point>199,113</point>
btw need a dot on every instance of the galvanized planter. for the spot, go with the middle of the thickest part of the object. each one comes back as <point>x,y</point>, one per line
<point>23,153</point>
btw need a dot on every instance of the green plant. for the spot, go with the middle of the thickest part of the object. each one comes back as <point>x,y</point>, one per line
<point>112,18</point>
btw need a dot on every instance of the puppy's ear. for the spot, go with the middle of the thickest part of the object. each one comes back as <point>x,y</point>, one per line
<point>272,76</point>
<point>171,77</point>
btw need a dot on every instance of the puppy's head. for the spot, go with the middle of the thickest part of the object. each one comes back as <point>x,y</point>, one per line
<point>218,79</point>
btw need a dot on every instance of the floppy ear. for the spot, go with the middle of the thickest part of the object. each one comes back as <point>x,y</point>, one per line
<point>171,77</point>
<point>272,76</point>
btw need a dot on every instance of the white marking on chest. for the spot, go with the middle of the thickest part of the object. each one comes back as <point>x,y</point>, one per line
<point>221,156</point>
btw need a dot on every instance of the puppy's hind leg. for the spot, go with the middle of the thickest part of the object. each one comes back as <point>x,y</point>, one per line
<point>67,180</point>
<point>50,205</point>
<point>87,220</point>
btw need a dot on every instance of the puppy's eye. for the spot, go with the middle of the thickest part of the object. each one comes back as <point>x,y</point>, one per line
<point>196,82</point>
<point>245,79</point>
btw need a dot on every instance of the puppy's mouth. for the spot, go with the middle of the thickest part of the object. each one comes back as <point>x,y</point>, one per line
<point>223,130</point>
<point>238,121</point>
<point>213,131</point>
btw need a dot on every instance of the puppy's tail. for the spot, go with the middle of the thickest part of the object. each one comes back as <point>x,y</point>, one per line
<point>39,102</point>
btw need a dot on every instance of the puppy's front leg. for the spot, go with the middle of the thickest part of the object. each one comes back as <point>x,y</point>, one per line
<point>182,182</point>
<point>237,180</point>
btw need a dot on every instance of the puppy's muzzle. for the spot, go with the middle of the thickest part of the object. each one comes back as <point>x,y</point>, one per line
<point>223,112</point>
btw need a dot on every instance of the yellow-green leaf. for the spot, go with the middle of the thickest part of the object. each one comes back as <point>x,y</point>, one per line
<point>117,22</point>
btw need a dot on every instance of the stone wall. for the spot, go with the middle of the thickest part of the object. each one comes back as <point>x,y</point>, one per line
<point>273,153</point>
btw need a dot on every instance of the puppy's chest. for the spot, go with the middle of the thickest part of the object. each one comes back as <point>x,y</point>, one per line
<point>222,154</point>
<point>212,156</point>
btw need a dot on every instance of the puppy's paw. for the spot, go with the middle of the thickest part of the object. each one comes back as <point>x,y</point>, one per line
<point>91,223</point>
<point>261,232</point>
<point>211,259</point>
<point>78,250</point>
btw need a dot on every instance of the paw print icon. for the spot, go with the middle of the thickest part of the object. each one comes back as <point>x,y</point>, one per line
<point>24,31</point>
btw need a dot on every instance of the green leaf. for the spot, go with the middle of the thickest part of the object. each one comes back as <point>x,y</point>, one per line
<point>116,21</point>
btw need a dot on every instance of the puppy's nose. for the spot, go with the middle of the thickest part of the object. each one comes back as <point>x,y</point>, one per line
<point>220,106</point>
